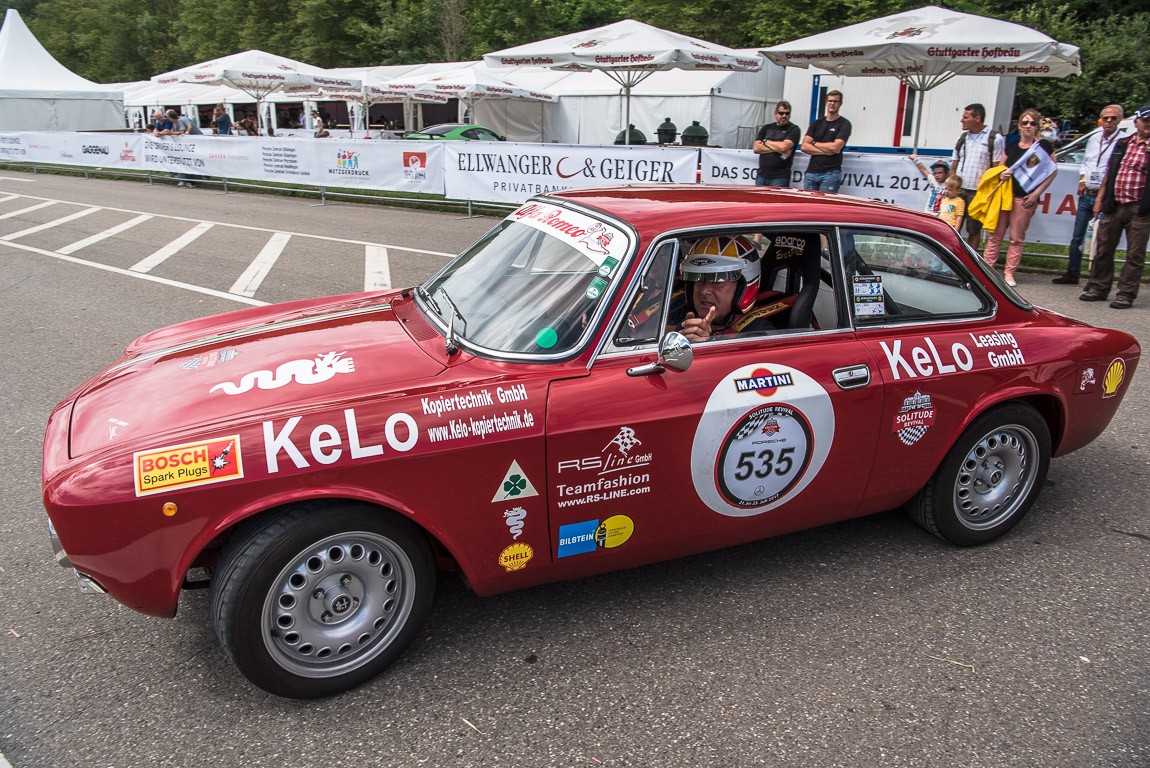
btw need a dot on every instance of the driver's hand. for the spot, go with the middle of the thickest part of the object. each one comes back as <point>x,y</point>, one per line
<point>698,328</point>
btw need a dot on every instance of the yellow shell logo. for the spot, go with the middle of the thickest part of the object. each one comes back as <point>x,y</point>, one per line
<point>516,556</point>
<point>1114,376</point>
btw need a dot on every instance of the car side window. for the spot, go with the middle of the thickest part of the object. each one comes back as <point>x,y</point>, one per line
<point>643,323</point>
<point>470,133</point>
<point>483,135</point>
<point>892,277</point>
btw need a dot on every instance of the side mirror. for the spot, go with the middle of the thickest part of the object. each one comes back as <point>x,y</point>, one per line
<point>675,352</point>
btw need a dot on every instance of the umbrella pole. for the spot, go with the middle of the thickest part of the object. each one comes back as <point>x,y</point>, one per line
<point>918,119</point>
<point>627,121</point>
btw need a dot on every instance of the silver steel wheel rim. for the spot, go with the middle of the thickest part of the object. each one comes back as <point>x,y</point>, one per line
<point>995,477</point>
<point>338,604</point>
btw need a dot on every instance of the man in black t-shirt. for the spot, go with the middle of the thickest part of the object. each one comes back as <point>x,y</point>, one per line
<point>824,142</point>
<point>775,145</point>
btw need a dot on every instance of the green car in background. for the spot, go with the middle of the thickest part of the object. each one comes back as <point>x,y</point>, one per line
<point>456,132</point>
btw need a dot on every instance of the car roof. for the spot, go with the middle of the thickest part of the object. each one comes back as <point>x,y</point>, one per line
<point>654,208</point>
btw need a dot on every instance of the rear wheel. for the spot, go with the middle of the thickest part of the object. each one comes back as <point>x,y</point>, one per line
<point>990,478</point>
<point>322,596</point>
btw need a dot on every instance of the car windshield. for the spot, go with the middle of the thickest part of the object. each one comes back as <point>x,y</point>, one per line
<point>439,130</point>
<point>532,286</point>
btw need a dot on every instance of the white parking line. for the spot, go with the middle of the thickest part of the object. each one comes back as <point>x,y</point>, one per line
<point>250,280</point>
<point>79,244</point>
<point>9,178</point>
<point>10,197</point>
<point>129,273</point>
<point>50,224</point>
<point>376,268</point>
<point>156,259</point>
<point>29,209</point>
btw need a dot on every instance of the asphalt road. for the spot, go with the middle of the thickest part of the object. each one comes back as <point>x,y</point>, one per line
<point>868,643</point>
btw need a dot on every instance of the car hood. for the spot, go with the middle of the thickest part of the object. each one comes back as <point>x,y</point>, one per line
<point>217,372</point>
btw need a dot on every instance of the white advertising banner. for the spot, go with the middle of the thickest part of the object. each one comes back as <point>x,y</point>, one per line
<point>895,179</point>
<point>411,166</point>
<point>511,172</point>
<point>94,150</point>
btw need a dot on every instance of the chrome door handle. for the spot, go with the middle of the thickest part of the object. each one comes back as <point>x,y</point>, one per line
<point>852,376</point>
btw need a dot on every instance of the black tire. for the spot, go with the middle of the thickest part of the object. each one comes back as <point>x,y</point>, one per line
<point>990,478</point>
<point>322,596</point>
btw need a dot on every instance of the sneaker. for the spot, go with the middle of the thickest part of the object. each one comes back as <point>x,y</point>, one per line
<point>1122,303</point>
<point>189,185</point>
<point>1068,279</point>
<point>1011,283</point>
<point>181,184</point>
<point>1087,296</point>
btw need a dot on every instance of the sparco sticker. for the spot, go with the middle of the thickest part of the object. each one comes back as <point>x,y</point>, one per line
<point>758,446</point>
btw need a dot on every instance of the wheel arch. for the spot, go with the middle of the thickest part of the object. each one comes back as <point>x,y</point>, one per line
<point>216,537</point>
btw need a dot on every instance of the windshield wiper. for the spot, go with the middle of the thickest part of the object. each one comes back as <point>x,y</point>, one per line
<point>449,344</point>
<point>423,294</point>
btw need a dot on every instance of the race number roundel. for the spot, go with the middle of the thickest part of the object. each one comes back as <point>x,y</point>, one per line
<point>764,435</point>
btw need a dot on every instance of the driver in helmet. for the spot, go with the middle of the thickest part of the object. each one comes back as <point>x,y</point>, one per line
<point>722,277</point>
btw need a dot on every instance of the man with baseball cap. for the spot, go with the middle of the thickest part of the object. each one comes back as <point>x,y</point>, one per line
<point>1124,202</point>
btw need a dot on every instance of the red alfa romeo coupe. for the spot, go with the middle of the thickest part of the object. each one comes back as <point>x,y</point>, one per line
<point>608,378</point>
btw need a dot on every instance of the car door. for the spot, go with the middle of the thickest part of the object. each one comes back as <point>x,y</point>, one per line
<point>924,320</point>
<point>761,435</point>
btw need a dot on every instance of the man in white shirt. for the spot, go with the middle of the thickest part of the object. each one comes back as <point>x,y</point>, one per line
<point>1098,151</point>
<point>972,157</point>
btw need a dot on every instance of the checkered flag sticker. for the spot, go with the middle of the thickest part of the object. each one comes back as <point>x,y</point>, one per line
<point>626,440</point>
<point>754,423</point>
<point>911,435</point>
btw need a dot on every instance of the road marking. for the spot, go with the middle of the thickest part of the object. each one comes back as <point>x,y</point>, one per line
<point>10,197</point>
<point>29,209</point>
<point>79,244</point>
<point>376,269</point>
<point>159,257</point>
<point>129,273</point>
<point>9,178</point>
<point>250,280</point>
<point>50,224</point>
<point>50,201</point>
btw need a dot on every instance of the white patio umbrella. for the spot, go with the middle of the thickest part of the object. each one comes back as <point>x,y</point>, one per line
<point>926,47</point>
<point>260,74</point>
<point>470,83</point>
<point>628,51</point>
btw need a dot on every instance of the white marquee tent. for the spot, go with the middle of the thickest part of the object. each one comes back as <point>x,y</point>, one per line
<point>38,93</point>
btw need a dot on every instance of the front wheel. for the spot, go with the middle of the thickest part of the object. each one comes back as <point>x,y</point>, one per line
<point>990,478</point>
<point>322,596</point>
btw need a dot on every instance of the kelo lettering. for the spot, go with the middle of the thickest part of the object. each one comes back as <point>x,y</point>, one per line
<point>927,359</point>
<point>326,441</point>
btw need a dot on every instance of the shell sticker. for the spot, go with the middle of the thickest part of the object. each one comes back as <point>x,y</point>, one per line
<point>516,556</point>
<point>765,433</point>
<point>1113,378</point>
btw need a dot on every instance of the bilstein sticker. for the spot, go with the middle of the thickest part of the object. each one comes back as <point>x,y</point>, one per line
<point>183,466</point>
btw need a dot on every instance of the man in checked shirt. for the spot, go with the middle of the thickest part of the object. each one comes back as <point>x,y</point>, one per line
<point>1125,206</point>
<point>978,148</point>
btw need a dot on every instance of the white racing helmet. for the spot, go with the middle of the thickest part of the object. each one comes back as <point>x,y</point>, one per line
<point>725,259</point>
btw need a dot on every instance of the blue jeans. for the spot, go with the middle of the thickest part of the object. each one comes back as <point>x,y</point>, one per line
<point>1081,221</point>
<point>772,181</point>
<point>824,182</point>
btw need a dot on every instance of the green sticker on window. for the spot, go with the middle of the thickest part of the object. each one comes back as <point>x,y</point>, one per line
<point>546,338</point>
<point>595,290</point>
<point>608,266</point>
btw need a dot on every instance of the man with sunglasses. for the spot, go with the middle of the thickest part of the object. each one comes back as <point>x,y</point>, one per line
<point>1098,150</point>
<point>824,142</point>
<point>1124,202</point>
<point>775,145</point>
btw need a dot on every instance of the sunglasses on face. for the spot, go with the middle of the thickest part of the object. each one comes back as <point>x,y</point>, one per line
<point>782,114</point>
<point>833,101</point>
<point>1027,122</point>
<point>1109,117</point>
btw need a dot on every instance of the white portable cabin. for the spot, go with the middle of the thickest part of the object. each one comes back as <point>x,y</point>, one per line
<point>881,109</point>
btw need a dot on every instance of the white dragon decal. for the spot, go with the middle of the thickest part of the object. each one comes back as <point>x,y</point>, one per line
<point>312,371</point>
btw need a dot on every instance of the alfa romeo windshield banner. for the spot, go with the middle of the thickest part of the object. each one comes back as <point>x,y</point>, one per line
<point>511,173</point>
<point>895,179</point>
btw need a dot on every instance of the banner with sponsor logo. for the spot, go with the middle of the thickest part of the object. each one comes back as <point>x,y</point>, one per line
<point>94,150</point>
<point>511,173</point>
<point>259,159</point>
<point>895,179</point>
<point>413,166</point>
